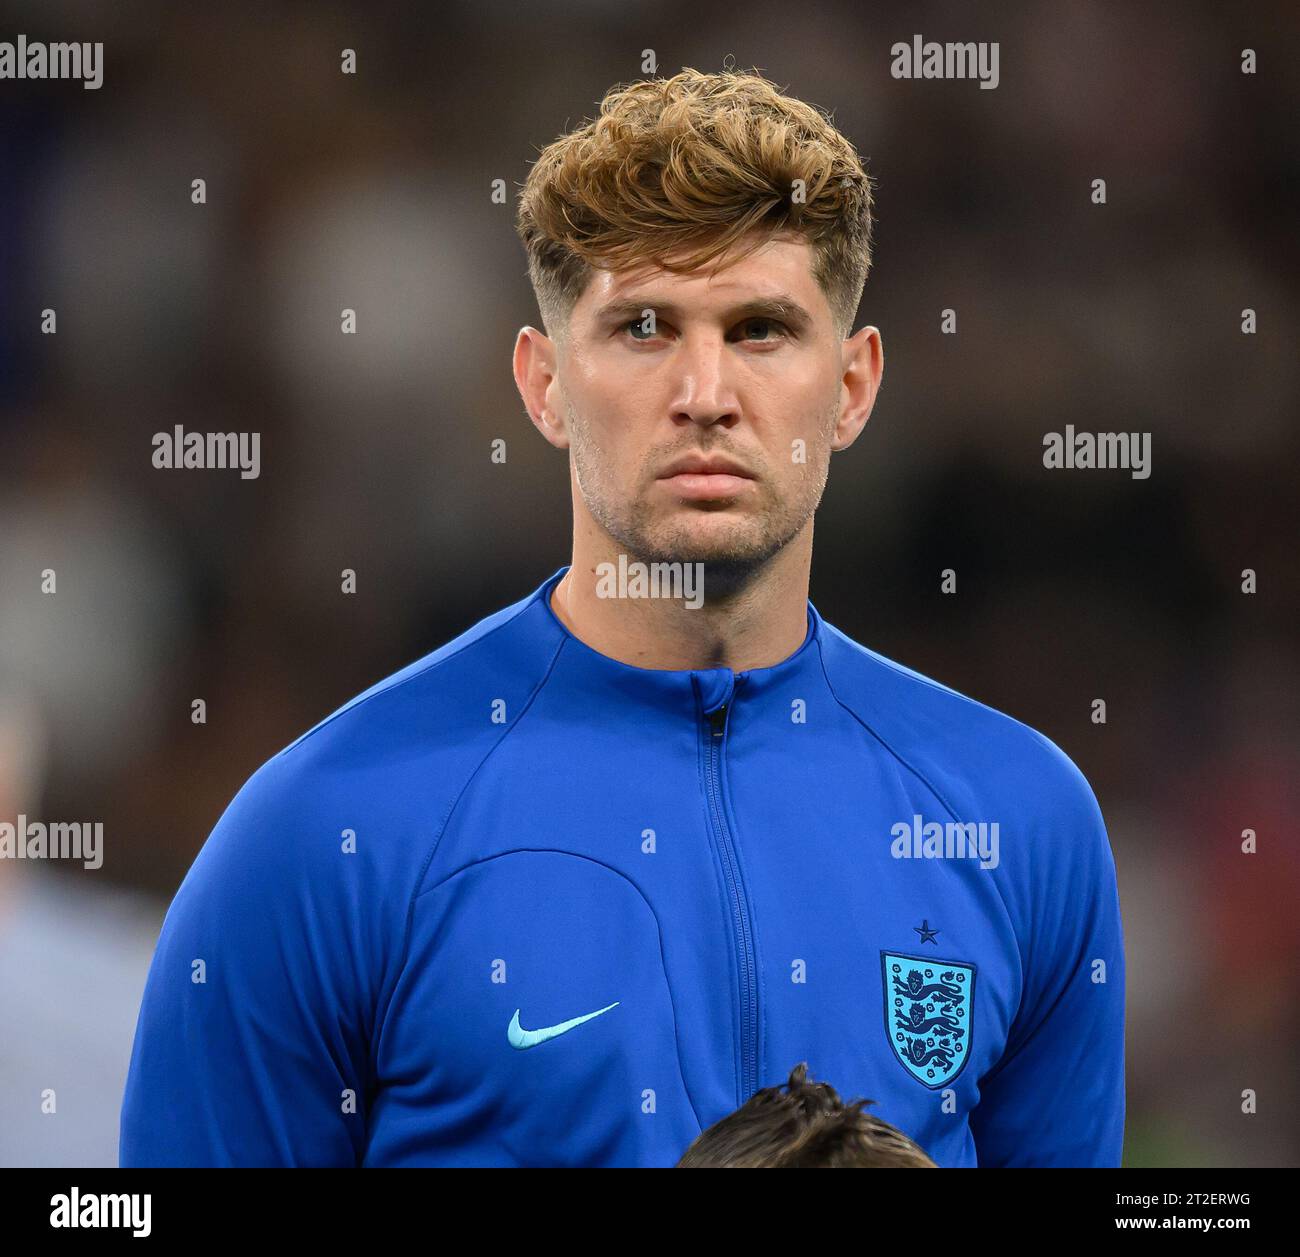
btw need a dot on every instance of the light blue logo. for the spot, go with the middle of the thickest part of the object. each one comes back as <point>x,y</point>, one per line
<point>521,1038</point>
<point>928,1020</point>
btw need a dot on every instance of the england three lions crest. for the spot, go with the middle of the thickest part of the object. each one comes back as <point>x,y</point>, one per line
<point>928,1018</point>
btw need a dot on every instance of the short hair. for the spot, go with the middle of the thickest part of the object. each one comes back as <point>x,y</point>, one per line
<point>803,1125</point>
<point>677,171</point>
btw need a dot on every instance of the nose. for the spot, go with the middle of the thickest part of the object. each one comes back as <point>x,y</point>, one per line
<point>705,394</point>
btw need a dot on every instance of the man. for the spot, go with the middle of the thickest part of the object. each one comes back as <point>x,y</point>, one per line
<point>578,884</point>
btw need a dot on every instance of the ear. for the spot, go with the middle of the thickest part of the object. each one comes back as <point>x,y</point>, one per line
<point>538,383</point>
<point>863,358</point>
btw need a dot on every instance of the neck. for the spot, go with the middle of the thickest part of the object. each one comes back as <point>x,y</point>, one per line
<point>756,622</point>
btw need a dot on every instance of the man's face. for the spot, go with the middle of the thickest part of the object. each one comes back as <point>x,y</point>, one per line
<point>706,435</point>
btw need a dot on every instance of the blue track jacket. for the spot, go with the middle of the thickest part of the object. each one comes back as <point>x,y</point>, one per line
<point>521,904</point>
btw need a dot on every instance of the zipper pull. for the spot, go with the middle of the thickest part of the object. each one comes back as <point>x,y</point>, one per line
<point>718,720</point>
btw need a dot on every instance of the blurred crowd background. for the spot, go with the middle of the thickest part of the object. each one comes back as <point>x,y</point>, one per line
<point>373,192</point>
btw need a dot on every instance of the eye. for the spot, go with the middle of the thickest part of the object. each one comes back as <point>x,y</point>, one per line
<point>638,330</point>
<point>768,329</point>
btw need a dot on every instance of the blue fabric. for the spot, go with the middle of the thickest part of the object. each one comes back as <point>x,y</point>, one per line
<point>517,823</point>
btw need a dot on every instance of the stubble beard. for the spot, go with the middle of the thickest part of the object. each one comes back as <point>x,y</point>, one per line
<point>649,532</point>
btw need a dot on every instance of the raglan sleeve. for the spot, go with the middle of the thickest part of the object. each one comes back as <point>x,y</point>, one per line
<point>251,1044</point>
<point>1056,1097</point>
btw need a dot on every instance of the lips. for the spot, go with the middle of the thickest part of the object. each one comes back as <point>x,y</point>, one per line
<point>705,465</point>
<point>707,477</point>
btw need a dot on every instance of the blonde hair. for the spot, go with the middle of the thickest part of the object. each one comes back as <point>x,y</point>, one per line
<point>677,171</point>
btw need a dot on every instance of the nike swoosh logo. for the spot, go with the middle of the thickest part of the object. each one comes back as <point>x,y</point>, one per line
<point>521,1038</point>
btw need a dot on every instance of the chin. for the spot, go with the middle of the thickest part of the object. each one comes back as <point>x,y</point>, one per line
<point>712,541</point>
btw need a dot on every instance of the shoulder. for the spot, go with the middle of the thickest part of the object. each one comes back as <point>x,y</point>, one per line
<point>374,778</point>
<point>975,758</point>
<point>437,697</point>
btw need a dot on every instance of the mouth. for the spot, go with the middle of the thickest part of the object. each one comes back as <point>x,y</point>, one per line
<point>700,477</point>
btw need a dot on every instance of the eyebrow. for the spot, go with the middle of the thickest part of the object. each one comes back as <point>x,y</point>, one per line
<point>779,306</point>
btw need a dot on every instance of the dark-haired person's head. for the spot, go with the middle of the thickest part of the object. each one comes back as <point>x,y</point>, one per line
<point>803,1125</point>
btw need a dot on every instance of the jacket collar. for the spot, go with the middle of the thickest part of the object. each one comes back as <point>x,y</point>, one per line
<point>707,688</point>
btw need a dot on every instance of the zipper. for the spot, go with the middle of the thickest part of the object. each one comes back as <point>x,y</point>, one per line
<point>739,909</point>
